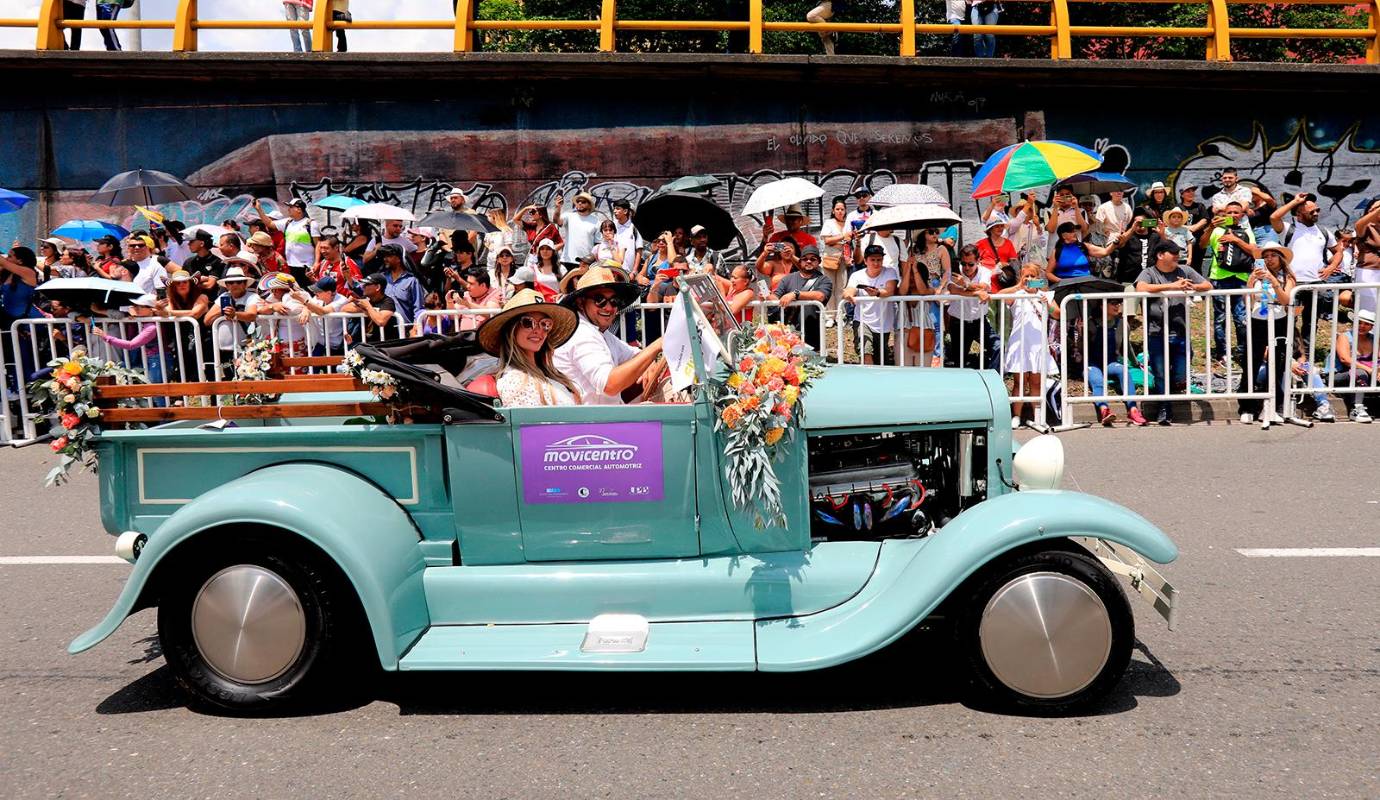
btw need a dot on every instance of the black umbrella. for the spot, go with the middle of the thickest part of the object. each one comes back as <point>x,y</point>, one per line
<point>457,221</point>
<point>1086,284</point>
<point>666,212</point>
<point>144,187</point>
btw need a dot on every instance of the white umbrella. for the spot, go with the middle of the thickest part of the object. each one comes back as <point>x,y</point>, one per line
<point>379,211</point>
<point>898,194</point>
<point>216,231</point>
<point>912,216</point>
<point>780,194</point>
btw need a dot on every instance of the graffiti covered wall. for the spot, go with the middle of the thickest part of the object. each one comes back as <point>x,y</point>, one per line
<point>506,147</point>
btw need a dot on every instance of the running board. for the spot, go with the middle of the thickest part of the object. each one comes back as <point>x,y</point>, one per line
<point>1145,579</point>
<point>668,646</point>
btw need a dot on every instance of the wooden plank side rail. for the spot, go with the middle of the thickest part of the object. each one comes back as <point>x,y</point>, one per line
<point>295,384</point>
<point>119,416</point>
<point>1216,34</point>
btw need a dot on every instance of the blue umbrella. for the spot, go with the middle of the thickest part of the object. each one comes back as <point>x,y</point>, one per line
<point>89,230</point>
<point>1098,182</point>
<point>12,201</point>
<point>338,202</point>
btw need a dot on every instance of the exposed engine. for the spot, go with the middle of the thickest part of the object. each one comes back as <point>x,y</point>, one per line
<point>893,485</point>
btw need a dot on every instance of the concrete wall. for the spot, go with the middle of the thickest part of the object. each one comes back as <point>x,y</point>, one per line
<point>513,130</point>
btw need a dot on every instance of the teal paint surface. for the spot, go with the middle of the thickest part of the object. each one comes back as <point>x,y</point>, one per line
<point>900,594</point>
<point>722,588</point>
<point>862,397</point>
<point>360,528</point>
<point>672,646</point>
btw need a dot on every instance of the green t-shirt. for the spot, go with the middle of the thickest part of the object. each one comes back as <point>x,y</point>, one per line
<point>1216,272</point>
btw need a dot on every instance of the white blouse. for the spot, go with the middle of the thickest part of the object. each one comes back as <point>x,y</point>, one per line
<point>519,389</point>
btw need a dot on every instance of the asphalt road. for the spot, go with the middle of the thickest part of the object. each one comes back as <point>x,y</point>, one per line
<point>1270,687</point>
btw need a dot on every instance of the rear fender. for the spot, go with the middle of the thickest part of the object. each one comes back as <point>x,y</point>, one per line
<point>363,530</point>
<point>901,594</point>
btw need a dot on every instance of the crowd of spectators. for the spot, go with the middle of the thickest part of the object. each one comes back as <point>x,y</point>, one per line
<point>318,289</point>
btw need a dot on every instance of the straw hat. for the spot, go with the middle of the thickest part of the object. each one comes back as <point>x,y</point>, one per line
<point>1175,211</point>
<point>261,238</point>
<point>1284,252</point>
<point>602,277</point>
<point>527,301</point>
<point>793,210</point>
<point>568,280</point>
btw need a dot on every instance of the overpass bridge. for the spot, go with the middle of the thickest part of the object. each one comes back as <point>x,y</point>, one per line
<point>514,128</point>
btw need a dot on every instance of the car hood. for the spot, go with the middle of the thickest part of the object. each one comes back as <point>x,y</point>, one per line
<point>869,397</point>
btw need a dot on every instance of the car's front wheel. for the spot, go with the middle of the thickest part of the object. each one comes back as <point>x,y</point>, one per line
<point>253,630</point>
<point>1049,630</point>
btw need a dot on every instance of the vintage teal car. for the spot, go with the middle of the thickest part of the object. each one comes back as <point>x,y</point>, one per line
<point>603,538</point>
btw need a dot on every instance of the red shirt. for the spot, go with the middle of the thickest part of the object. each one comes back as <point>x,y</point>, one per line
<point>344,273</point>
<point>988,256</point>
<point>802,239</point>
<point>273,263</point>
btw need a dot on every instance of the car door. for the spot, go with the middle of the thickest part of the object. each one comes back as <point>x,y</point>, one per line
<point>597,483</point>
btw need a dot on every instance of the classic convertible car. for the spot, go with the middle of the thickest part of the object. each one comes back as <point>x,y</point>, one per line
<point>604,538</point>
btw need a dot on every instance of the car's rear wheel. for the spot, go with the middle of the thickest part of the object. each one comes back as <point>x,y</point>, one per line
<point>256,629</point>
<point>1048,630</point>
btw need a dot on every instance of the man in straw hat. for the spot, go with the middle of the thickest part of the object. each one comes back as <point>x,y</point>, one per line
<point>523,336</point>
<point>238,304</point>
<point>795,219</point>
<point>602,365</point>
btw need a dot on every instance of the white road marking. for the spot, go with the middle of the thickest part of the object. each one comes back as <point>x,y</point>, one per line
<point>1309,552</point>
<point>7,560</point>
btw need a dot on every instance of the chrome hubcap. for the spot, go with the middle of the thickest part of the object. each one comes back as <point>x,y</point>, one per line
<point>1045,635</point>
<point>248,624</point>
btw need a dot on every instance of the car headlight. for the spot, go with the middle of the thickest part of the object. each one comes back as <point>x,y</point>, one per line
<point>1039,464</point>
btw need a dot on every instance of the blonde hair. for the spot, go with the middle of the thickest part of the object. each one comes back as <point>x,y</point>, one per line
<point>511,354</point>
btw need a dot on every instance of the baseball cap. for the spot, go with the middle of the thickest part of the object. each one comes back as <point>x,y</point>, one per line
<point>424,230</point>
<point>862,191</point>
<point>523,275</point>
<point>107,239</point>
<point>810,250</point>
<point>622,203</point>
<point>299,202</point>
<point>376,279</point>
<point>697,230</point>
<point>204,236</point>
<point>326,284</point>
<point>1187,186</point>
<point>874,250</point>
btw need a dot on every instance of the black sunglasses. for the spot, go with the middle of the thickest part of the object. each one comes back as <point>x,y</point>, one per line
<point>611,301</point>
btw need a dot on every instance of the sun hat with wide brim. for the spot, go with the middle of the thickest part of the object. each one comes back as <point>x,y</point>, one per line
<point>1364,315</point>
<point>1174,212</point>
<point>568,280</point>
<point>1284,252</point>
<point>527,301</point>
<point>602,278</point>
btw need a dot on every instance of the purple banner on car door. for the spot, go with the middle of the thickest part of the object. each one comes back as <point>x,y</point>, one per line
<point>618,462</point>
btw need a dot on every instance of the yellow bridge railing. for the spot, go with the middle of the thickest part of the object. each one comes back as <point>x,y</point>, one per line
<point>1217,33</point>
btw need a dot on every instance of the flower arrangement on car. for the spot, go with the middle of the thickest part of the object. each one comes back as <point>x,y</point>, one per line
<point>260,360</point>
<point>756,404</point>
<point>381,385</point>
<point>69,394</point>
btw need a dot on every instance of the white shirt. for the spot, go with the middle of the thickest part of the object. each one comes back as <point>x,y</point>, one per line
<point>831,227</point>
<point>297,236</point>
<point>971,309</point>
<point>152,276</point>
<point>1241,194</point>
<point>227,333</point>
<point>626,234</point>
<point>1114,218</point>
<point>404,241</point>
<point>588,357</point>
<point>288,328</point>
<point>580,231</point>
<point>519,389</point>
<point>1309,243</point>
<point>891,244</point>
<point>878,317</point>
<point>330,330</point>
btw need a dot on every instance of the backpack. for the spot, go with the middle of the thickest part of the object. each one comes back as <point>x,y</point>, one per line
<point>1234,259</point>
<point>1329,238</point>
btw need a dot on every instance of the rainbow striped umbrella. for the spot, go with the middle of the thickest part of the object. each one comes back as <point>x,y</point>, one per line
<point>1031,164</point>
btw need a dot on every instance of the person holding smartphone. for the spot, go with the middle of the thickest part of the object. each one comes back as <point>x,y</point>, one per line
<point>876,320</point>
<point>1026,356</point>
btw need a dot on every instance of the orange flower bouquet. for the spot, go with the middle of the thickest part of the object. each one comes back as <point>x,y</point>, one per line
<point>757,405</point>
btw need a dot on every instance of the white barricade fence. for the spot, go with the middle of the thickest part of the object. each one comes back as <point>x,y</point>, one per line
<point>173,352</point>
<point>950,330</point>
<point>1098,344</point>
<point>449,321</point>
<point>1323,360</point>
<point>321,335</point>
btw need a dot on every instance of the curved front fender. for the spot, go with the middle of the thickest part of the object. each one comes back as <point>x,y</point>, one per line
<point>915,577</point>
<point>361,528</point>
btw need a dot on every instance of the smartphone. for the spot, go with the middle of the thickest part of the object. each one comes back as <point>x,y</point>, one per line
<point>857,224</point>
<point>1036,283</point>
<point>1149,224</point>
<point>225,301</point>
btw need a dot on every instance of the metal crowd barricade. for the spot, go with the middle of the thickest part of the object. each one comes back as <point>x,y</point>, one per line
<point>1077,309</point>
<point>1328,375</point>
<point>315,338</point>
<point>176,353</point>
<point>989,333</point>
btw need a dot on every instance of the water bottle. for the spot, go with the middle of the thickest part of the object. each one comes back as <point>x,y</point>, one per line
<point>1267,292</point>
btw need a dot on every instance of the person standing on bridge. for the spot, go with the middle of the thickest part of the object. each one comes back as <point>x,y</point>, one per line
<point>823,13</point>
<point>295,11</point>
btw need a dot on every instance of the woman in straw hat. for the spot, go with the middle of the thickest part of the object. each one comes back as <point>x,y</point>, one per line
<point>1269,318</point>
<point>523,336</point>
